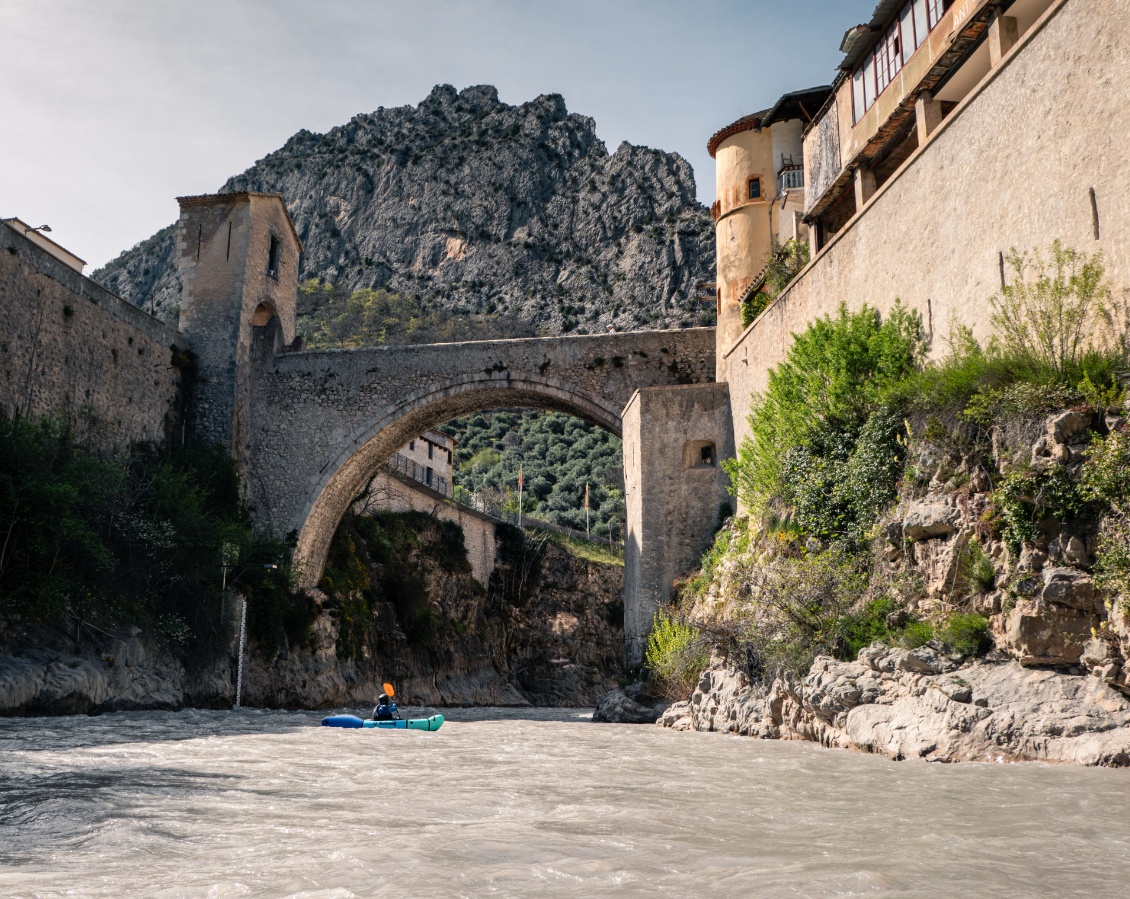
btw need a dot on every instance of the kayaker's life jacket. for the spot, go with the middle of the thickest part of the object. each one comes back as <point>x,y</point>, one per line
<point>385,712</point>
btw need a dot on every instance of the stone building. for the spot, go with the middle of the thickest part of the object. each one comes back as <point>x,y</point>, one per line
<point>953,132</point>
<point>760,190</point>
<point>429,459</point>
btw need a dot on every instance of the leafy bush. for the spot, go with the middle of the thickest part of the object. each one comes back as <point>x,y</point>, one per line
<point>783,264</point>
<point>836,375</point>
<point>1028,496</point>
<point>968,633</point>
<point>802,608</point>
<point>839,483</point>
<point>915,634</point>
<point>861,629</point>
<point>1050,318</point>
<point>150,538</point>
<point>978,568</point>
<point>1104,481</point>
<point>674,655</point>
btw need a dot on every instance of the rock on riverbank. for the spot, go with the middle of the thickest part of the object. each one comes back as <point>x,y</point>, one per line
<point>921,704</point>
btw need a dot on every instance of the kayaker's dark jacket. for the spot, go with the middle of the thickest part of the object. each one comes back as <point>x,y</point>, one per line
<point>385,712</point>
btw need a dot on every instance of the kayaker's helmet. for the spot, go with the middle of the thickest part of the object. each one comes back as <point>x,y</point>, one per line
<point>384,699</point>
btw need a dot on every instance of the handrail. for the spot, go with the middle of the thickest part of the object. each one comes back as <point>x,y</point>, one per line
<point>417,472</point>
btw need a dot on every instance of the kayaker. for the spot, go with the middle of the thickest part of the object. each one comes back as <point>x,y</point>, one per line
<point>386,709</point>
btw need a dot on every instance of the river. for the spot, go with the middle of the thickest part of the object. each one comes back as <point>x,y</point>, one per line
<point>523,803</point>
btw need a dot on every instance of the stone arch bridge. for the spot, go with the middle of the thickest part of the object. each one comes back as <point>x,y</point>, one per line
<point>309,428</point>
<point>323,422</point>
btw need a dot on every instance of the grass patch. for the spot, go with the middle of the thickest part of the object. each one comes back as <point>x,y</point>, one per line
<point>588,550</point>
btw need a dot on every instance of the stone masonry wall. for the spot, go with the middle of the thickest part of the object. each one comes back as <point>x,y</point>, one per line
<point>390,493</point>
<point>72,349</point>
<point>674,440</point>
<point>1011,167</point>
<point>325,421</point>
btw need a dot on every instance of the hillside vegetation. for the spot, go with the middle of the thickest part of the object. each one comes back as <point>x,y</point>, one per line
<point>963,503</point>
<point>558,455</point>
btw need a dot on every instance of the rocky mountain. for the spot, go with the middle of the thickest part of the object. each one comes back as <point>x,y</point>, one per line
<point>482,208</point>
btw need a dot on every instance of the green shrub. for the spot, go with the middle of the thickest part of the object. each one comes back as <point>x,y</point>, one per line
<point>1026,497</point>
<point>1104,482</point>
<point>978,567</point>
<point>674,655</point>
<point>839,483</point>
<point>915,634</point>
<point>752,305</point>
<point>966,633</point>
<point>836,375</point>
<point>1053,309</point>
<point>802,606</point>
<point>867,626</point>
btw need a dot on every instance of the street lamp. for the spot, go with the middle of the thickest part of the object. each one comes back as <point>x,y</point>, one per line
<point>44,228</point>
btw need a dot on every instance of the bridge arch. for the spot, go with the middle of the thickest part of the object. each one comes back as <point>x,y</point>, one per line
<point>345,475</point>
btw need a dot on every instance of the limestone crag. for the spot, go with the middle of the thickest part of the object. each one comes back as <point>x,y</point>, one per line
<point>483,207</point>
<point>921,704</point>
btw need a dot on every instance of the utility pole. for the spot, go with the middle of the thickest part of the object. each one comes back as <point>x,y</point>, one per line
<point>239,667</point>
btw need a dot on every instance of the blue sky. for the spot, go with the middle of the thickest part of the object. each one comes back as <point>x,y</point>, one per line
<point>111,109</point>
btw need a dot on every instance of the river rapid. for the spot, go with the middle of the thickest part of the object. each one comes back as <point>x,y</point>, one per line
<point>522,803</point>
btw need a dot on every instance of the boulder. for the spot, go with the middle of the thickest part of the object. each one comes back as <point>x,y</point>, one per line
<point>726,701</point>
<point>928,659</point>
<point>618,707</point>
<point>933,516</point>
<point>1071,587</point>
<point>1047,633</point>
<point>1069,549</point>
<point>982,712</point>
<point>1097,653</point>
<point>1064,426</point>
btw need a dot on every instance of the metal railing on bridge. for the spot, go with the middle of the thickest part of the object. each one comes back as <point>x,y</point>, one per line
<point>421,473</point>
<point>427,476</point>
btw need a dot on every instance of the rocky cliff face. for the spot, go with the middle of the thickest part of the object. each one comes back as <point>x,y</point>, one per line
<point>1010,541</point>
<point>483,207</point>
<point>547,633</point>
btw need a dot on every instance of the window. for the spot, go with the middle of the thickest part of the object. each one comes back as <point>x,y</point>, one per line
<point>412,446</point>
<point>430,447</point>
<point>755,188</point>
<point>273,258</point>
<point>906,25</point>
<point>905,35</point>
<point>936,9</point>
<point>699,454</point>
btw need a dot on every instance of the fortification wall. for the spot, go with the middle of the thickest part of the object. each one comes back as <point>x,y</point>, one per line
<point>72,349</point>
<point>394,495</point>
<point>1012,166</point>
<point>674,439</point>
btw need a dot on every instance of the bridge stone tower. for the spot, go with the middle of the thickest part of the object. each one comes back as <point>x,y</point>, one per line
<point>238,259</point>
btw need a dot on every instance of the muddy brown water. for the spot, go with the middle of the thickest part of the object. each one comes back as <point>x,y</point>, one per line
<point>528,803</point>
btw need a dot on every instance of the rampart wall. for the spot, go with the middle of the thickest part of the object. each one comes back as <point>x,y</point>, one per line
<point>1012,166</point>
<point>72,349</point>
<point>391,493</point>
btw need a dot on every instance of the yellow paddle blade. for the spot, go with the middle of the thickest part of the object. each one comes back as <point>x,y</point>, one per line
<point>388,689</point>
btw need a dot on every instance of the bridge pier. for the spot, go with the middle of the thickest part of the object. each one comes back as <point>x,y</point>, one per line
<point>674,441</point>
